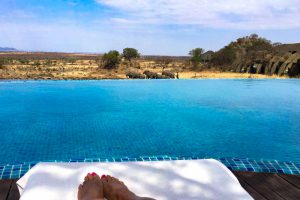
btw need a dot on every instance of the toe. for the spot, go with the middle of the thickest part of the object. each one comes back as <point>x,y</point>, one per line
<point>88,177</point>
<point>115,180</point>
<point>96,176</point>
<point>108,178</point>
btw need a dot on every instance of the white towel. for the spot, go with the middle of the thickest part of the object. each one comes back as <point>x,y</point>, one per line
<point>162,180</point>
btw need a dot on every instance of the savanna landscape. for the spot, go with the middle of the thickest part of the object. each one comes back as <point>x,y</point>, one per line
<point>248,57</point>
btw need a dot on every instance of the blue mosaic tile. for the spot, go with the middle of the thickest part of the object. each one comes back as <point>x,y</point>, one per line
<point>160,158</point>
<point>12,171</point>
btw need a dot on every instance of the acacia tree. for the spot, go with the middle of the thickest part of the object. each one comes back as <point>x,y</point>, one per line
<point>111,59</point>
<point>196,56</point>
<point>130,53</point>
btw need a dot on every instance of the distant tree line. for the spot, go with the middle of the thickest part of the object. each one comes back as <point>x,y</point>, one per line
<point>112,59</point>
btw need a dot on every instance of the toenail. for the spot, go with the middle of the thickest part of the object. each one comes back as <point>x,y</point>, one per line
<point>94,174</point>
<point>103,176</point>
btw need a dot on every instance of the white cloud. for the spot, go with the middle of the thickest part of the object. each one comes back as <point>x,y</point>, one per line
<point>123,21</point>
<point>238,14</point>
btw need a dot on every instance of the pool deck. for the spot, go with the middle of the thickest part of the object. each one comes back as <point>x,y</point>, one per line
<point>258,185</point>
<point>270,186</point>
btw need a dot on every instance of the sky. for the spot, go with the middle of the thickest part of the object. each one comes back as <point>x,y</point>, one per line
<point>154,27</point>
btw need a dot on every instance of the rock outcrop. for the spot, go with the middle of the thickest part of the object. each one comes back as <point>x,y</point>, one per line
<point>284,61</point>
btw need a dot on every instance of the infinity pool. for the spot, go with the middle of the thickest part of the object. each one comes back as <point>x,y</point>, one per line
<point>57,120</point>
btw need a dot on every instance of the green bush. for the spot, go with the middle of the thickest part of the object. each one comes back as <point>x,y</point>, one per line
<point>111,60</point>
<point>23,61</point>
<point>224,56</point>
<point>196,56</point>
<point>72,61</point>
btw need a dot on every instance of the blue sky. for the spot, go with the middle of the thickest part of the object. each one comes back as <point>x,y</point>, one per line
<point>165,27</point>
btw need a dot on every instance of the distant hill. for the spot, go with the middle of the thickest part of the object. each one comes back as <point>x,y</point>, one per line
<point>7,49</point>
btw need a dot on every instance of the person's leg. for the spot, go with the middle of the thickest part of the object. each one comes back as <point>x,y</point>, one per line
<point>91,188</point>
<point>114,189</point>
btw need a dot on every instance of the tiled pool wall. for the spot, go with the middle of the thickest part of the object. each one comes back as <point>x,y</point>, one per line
<point>14,171</point>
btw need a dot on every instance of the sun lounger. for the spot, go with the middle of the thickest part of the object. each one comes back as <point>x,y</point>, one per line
<point>162,180</point>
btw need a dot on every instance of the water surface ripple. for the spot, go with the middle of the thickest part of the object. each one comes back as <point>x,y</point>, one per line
<point>58,120</point>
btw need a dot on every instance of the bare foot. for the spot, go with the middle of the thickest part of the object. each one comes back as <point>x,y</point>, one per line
<point>114,189</point>
<point>91,188</point>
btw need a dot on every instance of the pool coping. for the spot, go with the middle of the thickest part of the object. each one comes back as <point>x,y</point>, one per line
<point>17,170</point>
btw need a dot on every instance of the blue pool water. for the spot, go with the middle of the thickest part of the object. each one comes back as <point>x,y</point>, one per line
<point>58,120</point>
